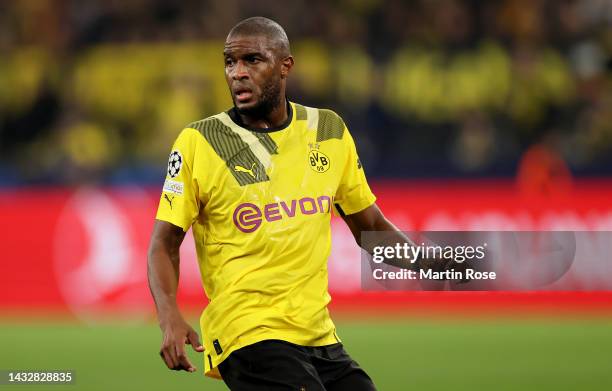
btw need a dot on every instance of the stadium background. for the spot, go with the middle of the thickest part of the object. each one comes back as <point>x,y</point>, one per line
<point>467,115</point>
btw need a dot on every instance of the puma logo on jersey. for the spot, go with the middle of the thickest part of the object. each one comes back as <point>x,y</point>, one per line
<point>246,170</point>
<point>169,199</point>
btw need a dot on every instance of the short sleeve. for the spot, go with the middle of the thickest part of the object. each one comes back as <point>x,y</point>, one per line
<point>353,194</point>
<point>179,204</point>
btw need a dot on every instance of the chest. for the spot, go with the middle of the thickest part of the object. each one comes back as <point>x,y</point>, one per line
<point>278,168</point>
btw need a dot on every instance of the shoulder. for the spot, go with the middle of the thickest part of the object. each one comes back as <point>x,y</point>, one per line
<point>328,124</point>
<point>204,125</point>
<point>193,134</point>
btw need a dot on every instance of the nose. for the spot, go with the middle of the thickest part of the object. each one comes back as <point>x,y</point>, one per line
<point>239,71</point>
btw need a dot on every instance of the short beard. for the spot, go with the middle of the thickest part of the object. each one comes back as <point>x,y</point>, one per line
<point>270,99</point>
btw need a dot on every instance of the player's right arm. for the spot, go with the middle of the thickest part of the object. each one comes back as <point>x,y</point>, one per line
<point>163,273</point>
<point>178,209</point>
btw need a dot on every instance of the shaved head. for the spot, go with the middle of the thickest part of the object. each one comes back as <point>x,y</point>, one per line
<point>257,63</point>
<point>264,27</point>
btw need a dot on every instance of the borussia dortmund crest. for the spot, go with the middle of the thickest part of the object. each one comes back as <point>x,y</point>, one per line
<point>317,160</point>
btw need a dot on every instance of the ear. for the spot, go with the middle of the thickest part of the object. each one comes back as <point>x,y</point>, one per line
<point>286,65</point>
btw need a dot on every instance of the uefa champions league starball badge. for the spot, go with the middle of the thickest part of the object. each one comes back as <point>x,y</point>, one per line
<point>175,162</point>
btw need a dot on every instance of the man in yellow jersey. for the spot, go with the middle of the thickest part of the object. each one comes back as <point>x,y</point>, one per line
<point>257,185</point>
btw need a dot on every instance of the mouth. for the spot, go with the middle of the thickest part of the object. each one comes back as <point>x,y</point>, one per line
<point>243,94</point>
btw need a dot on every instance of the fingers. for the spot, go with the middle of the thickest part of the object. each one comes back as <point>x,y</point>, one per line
<point>168,351</point>
<point>173,351</point>
<point>167,358</point>
<point>194,339</point>
<point>171,356</point>
<point>176,358</point>
<point>183,360</point>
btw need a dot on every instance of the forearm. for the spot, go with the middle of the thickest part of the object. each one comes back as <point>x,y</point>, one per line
<point>383,233</point>
<point>382,224</point>
<point>163,275</point>
<point>390,235</point>
<point>163,268</point>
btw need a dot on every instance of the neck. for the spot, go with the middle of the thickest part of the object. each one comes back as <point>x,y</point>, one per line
<point>276,117</point>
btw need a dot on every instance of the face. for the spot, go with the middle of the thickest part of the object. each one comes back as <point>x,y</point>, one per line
<point>253,73</point>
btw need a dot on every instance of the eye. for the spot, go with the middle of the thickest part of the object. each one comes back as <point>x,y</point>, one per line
<point>252,59</point>
<point>229,62</point>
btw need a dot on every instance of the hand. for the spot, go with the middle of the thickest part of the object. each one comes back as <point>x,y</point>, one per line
<point>177,333</point>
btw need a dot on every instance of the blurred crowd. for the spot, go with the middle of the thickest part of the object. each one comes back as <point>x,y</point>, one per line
<point>96,91</point>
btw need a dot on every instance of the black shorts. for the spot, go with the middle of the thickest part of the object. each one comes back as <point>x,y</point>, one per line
<point>275,365</point>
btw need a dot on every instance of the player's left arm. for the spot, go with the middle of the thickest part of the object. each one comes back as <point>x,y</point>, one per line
<point>372,219</point>
<point>356,203</point>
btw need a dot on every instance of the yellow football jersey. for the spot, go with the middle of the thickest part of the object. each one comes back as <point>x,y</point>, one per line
<point>259,204</point>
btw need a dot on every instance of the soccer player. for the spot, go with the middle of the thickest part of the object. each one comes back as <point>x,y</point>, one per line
<point>257,185</point>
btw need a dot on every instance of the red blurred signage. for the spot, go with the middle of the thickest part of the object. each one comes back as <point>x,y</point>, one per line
<point>84,250</point>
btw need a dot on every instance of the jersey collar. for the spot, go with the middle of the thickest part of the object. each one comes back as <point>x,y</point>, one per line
<point>235,117</point>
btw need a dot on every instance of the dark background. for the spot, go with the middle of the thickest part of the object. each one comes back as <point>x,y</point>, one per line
<point>96,91</point>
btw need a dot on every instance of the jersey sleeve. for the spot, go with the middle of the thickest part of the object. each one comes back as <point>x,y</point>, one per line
<point>179,204</point>
<point>353,194</point>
